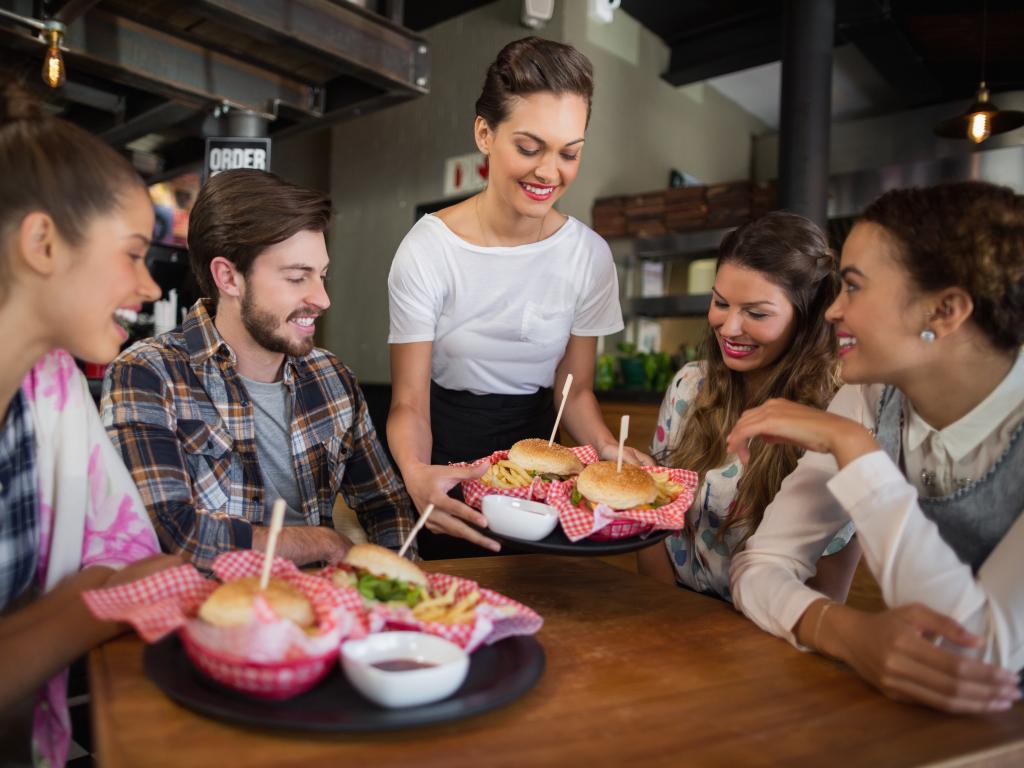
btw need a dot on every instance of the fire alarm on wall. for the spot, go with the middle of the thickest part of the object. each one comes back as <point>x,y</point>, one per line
<point>537,13</point>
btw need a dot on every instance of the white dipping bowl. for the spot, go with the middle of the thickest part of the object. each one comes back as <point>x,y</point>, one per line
<point>410,687</point>
<point>519,518</point>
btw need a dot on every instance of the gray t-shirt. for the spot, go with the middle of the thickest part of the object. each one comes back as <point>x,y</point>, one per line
<point>272,409</point>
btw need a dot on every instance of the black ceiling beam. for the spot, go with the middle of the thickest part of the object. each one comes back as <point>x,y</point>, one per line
<point>729,48</point>
<point>152,119</point>
<point>355,40</point>
<point>66,11</point>
<point>140,57</point>
<point>870,26</point>
<point>343,99</point>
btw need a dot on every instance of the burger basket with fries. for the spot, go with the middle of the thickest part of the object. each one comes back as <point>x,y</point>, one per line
<point>599,522</point>
<point>505,478</point>
<point>270,657</point>
<point>459,610</point>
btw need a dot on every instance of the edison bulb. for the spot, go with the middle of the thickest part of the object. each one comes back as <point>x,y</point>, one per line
<point>53,68</point>
<point>979,127</point>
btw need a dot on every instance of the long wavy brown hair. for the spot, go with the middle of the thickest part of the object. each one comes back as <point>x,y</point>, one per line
<point>793,253</point>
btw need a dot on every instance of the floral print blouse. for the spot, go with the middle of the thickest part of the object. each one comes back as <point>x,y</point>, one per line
<point>88,512</point>
<point>699,556</point>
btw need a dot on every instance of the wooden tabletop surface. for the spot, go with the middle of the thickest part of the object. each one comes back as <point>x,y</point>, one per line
<point>637,674</point>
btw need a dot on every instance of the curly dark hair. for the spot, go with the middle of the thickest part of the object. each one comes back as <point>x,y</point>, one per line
<point>533,65</point>
<point>793,253</point>
<point>967,234</point>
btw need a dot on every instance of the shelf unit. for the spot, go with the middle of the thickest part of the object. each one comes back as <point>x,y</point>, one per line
<point>675,251</point>
<point>679,305</point>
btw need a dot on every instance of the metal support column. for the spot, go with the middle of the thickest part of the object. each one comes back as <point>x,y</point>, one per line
<point>806,107</point>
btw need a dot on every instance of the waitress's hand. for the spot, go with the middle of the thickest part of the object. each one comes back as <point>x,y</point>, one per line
<point>430,483</point>
<point>783,421</point>
<point>895,651</point>
<point>610,452</point>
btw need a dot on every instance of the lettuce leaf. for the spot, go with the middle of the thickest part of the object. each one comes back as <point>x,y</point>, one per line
<point>389,590</point>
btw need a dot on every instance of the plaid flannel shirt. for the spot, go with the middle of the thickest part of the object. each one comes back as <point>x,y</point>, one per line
<point>177,410</point>
<point>19,523</point>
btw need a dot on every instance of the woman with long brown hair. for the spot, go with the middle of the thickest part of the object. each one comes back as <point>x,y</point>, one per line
<point>766,338</point>
<point>922,450</point>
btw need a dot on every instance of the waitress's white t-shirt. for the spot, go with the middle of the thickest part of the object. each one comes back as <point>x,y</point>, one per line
<point>500,317</point>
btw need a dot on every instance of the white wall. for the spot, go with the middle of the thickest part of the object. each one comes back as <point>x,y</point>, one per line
<point>385,164</point>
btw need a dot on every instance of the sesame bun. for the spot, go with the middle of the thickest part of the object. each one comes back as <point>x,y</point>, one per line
<point>384,563</point>
<point>537,456</point>
<point>231,603</point>
<point>627,489</point>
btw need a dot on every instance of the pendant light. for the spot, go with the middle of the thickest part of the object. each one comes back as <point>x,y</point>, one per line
<point>54,73</point>
<point>982,118</point>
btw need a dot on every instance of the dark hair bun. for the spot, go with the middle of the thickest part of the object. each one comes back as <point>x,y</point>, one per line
<point>18,104</point>
<point>533,65</point>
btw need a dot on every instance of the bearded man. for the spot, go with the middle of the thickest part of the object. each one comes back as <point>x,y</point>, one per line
<point>237,407</point>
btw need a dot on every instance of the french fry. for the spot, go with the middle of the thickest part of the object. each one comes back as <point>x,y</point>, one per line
<point>445,609</point>
<point>506,474</point>
<point>667,490</point>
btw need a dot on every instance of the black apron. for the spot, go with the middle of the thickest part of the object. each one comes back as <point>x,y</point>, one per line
<point>467,427</point>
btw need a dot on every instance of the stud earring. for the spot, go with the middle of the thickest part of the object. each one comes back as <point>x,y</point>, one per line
<point>927,335</point>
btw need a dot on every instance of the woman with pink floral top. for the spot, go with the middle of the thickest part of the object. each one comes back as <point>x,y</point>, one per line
<point>75,221</point>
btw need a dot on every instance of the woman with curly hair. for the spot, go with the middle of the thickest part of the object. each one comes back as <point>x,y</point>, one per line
<point>922,450</point>
<point>767,337</point>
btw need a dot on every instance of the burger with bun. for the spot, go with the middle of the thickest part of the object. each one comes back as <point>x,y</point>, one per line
<point>231,604</point>
<point>382,576</point>
<point>628,488</point>
<point>531,459</point>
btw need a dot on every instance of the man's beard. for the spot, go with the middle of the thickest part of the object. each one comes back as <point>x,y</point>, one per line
<point>262,326</point>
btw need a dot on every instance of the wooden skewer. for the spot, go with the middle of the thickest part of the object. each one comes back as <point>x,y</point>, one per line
<point>415,529</point>
<point>276,521</point>
<point>623,431</point>
<point>558,418</point>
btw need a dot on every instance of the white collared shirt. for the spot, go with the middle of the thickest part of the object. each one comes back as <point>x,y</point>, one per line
<point>901,546</point>
<point>940,461</point>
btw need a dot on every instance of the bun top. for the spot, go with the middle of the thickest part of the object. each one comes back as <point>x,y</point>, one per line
<point>632,487</point>
<point>535,455</point>
<point>16,103</point>
<point>231,603</point>
<point>385,563</point>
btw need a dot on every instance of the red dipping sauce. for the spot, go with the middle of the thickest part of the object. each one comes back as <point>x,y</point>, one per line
<point>402,665</point>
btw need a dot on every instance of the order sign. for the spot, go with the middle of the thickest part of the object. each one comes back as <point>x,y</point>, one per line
<point>225,153</point>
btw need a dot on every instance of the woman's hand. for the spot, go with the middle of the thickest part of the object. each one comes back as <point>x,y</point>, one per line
<point>895,651</point>
<point>610,452</point>
<point>430,483</point>
<point>140,569</point>
<point>782,421</point>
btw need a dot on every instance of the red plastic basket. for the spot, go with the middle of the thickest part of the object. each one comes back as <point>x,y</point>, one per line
<point>621,529</point>
<point>274,681</point>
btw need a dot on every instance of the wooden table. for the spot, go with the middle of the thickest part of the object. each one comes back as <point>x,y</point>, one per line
<point>638,673</point>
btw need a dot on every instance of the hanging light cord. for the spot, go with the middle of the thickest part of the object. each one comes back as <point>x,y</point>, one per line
<point>984,39</point>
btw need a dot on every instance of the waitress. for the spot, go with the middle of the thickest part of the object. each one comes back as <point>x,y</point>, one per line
<point>496,299</point>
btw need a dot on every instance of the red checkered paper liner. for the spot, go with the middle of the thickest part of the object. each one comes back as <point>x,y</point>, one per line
<point>579,522</point>
<point>169,601</point>
<point>473,491</point>
<point>495,615</point>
